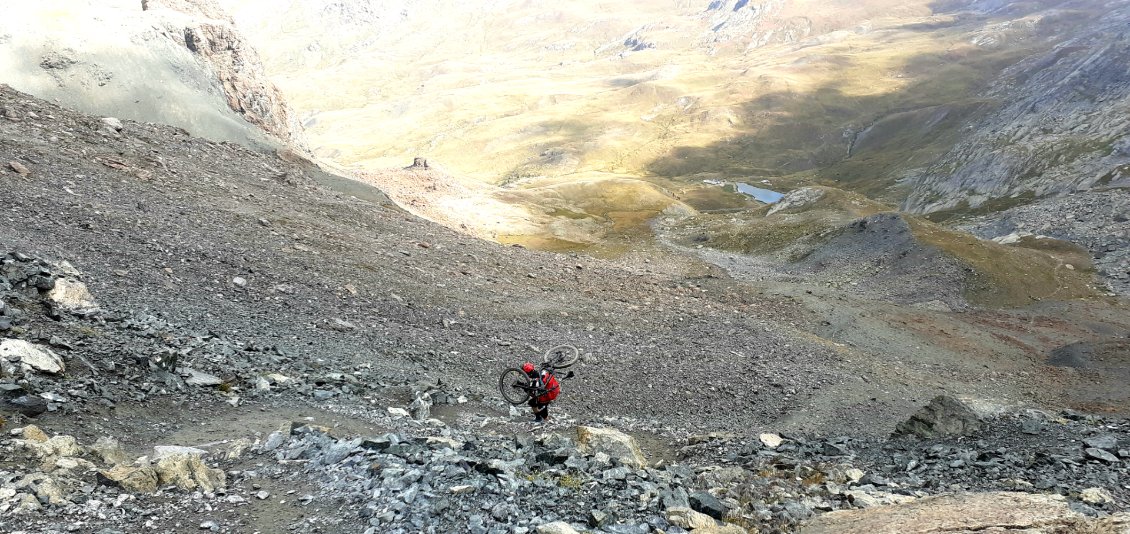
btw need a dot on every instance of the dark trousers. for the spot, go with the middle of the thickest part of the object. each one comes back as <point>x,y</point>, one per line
<point>541,411</point>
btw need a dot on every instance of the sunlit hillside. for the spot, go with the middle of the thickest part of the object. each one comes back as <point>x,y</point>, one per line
<point>518,94</point>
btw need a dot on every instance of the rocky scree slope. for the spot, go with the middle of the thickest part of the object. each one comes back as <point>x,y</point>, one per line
<point>218,244</point>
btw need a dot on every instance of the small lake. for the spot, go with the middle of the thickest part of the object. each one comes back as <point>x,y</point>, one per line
<point>764,195</point>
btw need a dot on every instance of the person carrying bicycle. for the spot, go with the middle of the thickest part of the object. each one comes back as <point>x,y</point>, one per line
<point>547,390</point>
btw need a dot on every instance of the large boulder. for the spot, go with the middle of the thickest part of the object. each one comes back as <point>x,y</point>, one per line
<point>616,444</point>
<point>30,356</point>
<point>966,513</point>
<point>944,416</point>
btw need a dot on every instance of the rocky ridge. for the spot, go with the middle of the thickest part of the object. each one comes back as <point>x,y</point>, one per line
<point>210,33</point>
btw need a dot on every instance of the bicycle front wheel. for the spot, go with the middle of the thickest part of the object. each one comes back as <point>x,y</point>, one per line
<point>514,386</point>
<point>562,356</point>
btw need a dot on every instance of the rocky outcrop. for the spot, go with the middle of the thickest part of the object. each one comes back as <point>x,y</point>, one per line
<point>987,512</point>
<point>211,34</point>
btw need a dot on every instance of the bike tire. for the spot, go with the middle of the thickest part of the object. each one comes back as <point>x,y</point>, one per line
<point>513,384</point>
<point>562,356</point>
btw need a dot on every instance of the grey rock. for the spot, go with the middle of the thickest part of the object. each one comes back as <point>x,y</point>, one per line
<point>1106,442</point>
<point>708,504</point>
<point>944,416</point>
<point>28,405</point>
<point>338,452</point>
<point>1100,454</point>
<point>274,440</point>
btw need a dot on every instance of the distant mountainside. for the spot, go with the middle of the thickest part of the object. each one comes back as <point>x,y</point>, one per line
<point>1059,120</point>
<point>179,62</point>
<point>936,105</point>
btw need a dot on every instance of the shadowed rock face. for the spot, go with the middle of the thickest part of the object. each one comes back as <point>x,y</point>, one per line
<point>212,36</point>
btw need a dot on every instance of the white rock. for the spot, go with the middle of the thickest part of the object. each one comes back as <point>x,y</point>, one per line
<point>276,378</point>
<point>458,490</point>
<point>113,122</point>
<point>771,440</point>
<point>200,378</point>
<point>72,295</point>
<point>397,412</point>
<point>556,527</point>
<point>164,451</point>
<point>31,357</point>
<point>1096,496</point>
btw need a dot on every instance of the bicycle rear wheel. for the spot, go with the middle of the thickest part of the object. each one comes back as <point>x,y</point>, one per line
<point>514,386</point>
<point>562,356</point>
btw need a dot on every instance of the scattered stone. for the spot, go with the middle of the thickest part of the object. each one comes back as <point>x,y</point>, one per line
<point>57,446</point>
<point>274,439</point>
<point>262,495</point>
<point>239,281</point>
<point>200,378</point>
<point>27,405</point>
<point>771,440</point>
<point>32,433</point>
<point>556,527</point>
<point>164,451</point>
<point>113,123</point>
<point>19,168</point>
<point>598,518</point>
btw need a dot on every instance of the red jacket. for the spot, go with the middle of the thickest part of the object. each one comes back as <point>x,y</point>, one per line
<point>552,388</point>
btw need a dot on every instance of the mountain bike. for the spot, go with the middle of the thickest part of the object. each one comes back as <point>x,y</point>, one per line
<point>517,387</point>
